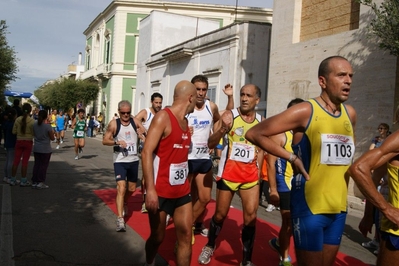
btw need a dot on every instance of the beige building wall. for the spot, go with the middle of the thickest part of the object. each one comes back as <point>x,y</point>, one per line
<point>321,18</point>
<point>296,55</point>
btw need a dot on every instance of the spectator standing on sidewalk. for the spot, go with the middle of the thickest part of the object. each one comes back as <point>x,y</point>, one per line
<point>90,126</point>
<point>100,119</point>
<point>10,140</point>
<point>17,107</point>
<point>41,150</point>
<point>23,128</point>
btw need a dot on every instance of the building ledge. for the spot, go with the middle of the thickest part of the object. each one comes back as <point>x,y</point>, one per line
<point>178,53</point>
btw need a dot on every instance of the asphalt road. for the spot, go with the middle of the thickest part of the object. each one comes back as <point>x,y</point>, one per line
<point>68,224</point>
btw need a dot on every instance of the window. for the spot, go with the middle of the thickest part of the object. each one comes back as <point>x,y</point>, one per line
<point>212,93</point>
<point>107,58</point>
<point>88,57</point>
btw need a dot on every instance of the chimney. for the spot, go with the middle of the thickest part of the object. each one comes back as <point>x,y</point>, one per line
<point>80,59</point>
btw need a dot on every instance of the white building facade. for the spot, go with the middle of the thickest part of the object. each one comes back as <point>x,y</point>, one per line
<point>237,54</point>
<point>112,41</point>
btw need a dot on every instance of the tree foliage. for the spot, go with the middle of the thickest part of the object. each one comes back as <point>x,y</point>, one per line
<point>385,24</point>
<point>66,93</point>
<point>8,60</point>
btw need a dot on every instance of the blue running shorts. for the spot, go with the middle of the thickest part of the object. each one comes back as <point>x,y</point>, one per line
<point>312,232</point>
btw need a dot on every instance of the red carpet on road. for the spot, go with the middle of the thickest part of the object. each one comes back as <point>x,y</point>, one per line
<point>228,250</point>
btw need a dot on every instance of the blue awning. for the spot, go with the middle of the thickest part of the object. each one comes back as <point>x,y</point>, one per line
<point>22,95</point>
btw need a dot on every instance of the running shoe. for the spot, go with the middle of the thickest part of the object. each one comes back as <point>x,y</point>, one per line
<point>205,256</point>
<point>270,208</point>
<point>6,180</point>
<point>248,263</point>
<point>34,184</point>
<point>285,263</point>
<point>14,182</point>
<point>201,231</point>
<point>41,185</point>
<point>205,232</point>
<point>61,141</point>
<point>375,252</point>
<point>76,157</point>
<point>373,244</point>
<point>58,147</point>
<point>143,208</point>
<point>120,225</point>
<point>274,244</point>
<point>25,184</point>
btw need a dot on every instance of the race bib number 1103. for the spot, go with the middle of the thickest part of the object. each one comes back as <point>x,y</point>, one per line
<point>336,149</point>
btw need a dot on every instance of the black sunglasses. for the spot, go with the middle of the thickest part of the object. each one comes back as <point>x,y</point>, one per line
<point>125,113</point>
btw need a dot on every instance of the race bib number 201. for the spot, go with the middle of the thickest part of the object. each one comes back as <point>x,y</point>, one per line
<point>242,152</point>
<point>336,149</point>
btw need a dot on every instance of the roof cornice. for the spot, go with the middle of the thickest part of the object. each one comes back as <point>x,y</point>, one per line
<point>166,5</point>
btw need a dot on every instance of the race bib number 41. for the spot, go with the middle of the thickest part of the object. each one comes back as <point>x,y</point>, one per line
<point>131,149</point>
<point>178,173</point>
<point>336,149</point>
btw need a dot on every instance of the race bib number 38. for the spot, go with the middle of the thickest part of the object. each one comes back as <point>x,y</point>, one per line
<point>178,173</point>
<point>336,149</point>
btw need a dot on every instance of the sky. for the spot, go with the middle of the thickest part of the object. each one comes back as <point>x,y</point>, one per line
<point>47,35</point>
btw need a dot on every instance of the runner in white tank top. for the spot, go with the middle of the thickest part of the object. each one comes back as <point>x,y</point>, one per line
<point>145,116</point>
